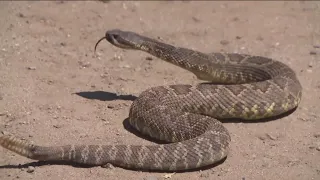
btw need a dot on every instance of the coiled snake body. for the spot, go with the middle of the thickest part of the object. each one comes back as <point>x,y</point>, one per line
<point>240,86</point>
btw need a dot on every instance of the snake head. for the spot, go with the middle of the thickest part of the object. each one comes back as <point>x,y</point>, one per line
<point>122,39</point>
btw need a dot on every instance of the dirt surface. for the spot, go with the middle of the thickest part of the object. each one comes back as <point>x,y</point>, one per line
<point>54,90</point>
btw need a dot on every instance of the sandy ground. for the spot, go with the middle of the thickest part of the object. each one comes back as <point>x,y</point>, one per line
<point>54,90</point>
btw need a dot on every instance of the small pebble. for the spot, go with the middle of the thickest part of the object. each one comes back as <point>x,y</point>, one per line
<point>238,37</point>
<point>310,64</point>
<point>149,58</point>
<point>204,175</point>
<point>108,166</point>
<point>224,42</point>
<point>31,68</point>
<point>271,137</point>
<point>195,19</point>
<point>316,46</point>
<point>30,169</point>
<point>318,148</point>
<point>168,176</point>
<point>317,135</point>
<point>124,66</point>
<point>21,15</point>
<point>110,106</point>
<point>84,64</point>
<point>57,126</point>
<point>313,53</point>
<point>262,137</point>
<point>104,119</point>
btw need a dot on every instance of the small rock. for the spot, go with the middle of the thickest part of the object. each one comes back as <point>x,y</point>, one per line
<point>168,176</point>
<point>124,66</point>
<point>204,175</point>
<point>104,119</point>
<point>108,166</point>
<point>110,106</point>
<point>117,57</point>
<point>310,64</point>
<point>57,126</point>
<point>31,68</point>
<point>312,147</point>
<point>21,15</point>
<point>150,178</point>
<point>224,42</point>
<point>149,58</point>
<point>238,37</point>
<point>318,148</point>
<point>316,46</point>
<point>63,44</point>
<point>84,64</point>
<point>195,19</point>
<point>317,135</point>
<point>160,38</point>
<point>271,136</point>
<point>313,53</point>
<point>30,169</point>
<point>262,137</point>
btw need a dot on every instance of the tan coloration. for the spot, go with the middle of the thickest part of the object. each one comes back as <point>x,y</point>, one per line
<point>253,87</point>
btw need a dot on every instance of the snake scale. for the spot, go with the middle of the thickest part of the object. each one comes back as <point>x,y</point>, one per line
<point>186,117</point>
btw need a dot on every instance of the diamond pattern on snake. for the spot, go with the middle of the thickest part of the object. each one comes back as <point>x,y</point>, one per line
<point>186,117</point>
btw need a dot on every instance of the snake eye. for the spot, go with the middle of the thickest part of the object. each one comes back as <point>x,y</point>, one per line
<point>115,36</point>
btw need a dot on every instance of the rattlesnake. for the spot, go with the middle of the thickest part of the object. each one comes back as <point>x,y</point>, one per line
<point>240,86</point>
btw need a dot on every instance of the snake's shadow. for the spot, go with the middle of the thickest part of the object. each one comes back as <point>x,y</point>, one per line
<point>105,96</point>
